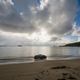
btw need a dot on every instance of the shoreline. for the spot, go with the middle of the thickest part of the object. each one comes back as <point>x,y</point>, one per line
<point>32,60</point>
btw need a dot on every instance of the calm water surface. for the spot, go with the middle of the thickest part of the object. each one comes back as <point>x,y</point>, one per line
<point>52,52</point>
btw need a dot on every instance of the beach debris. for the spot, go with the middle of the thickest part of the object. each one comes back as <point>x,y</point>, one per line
<point>59,67</point>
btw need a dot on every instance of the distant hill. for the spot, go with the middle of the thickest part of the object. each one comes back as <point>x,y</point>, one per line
<point>76,44</point>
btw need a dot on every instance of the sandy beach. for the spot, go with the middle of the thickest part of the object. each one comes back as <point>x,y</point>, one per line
<point>42,70</point>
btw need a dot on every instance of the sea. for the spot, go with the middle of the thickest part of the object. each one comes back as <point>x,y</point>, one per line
<point>22,54</point>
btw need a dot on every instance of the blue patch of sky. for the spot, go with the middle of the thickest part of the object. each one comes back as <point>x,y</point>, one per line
<point>18,7</point>
<point>78,2</point>
<point>23,5</point>
<point>38,2</point>
<point>77,18</point>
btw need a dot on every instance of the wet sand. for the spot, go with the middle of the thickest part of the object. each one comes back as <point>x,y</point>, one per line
<point>42,70</point>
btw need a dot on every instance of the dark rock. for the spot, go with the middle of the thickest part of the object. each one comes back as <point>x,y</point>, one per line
<point>40,57</point>
<point>36,79</point>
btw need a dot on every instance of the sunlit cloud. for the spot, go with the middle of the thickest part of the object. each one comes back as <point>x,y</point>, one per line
<point>75,30</point>
<point>41,36</point>
<point>42,4</point>
<point>10,38</point>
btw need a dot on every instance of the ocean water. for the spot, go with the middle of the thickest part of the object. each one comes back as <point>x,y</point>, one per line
<point>27,53</point>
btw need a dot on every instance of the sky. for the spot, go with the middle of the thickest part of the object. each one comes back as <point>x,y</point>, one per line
<point>39,21</point>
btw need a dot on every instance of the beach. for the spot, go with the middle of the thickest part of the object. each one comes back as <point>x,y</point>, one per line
<point>42,70</point>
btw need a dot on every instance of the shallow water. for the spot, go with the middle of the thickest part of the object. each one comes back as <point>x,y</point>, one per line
<point>21,54</point>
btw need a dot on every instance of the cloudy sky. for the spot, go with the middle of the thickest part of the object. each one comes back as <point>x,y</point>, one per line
<point>50,21</point>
